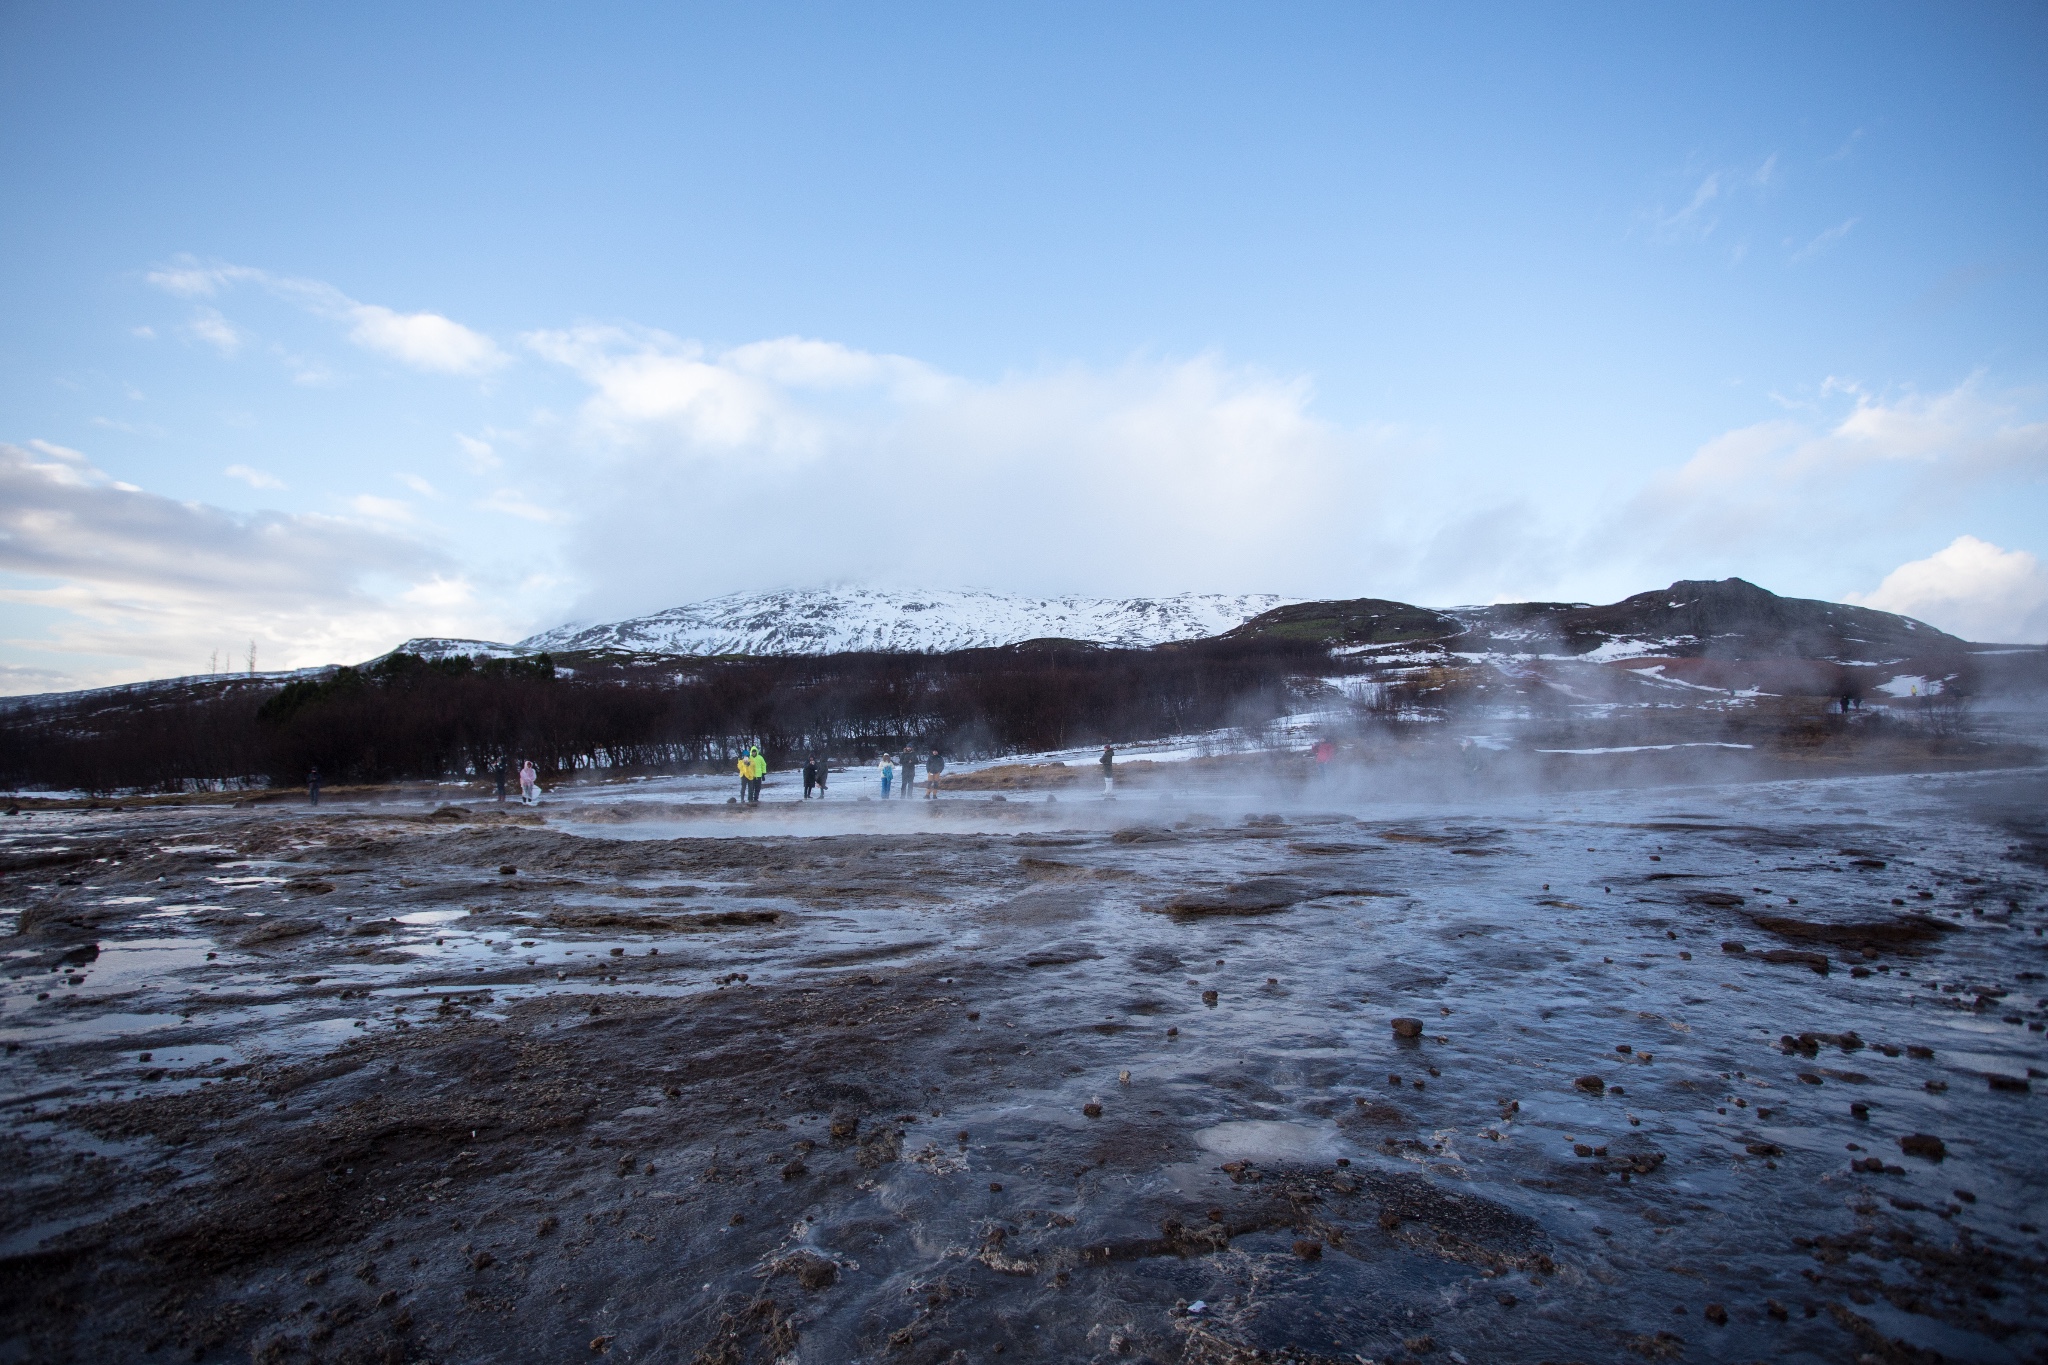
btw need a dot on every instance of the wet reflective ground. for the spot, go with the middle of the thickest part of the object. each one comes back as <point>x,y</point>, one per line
<point>1740,1072</point>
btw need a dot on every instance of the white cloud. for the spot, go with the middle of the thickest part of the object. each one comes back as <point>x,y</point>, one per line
<point>209,326</point>
<point>1834,472</point>
<point>1971,588</point>
<point>145,586</point>
<point>426,341</point>
<point>380,509</point>
<point>1824,240</point>
<point>255,478</point>
<point>689,471</point>
<point>417,485</point>
<point>516,504</point>
<point>476,454</point>
<point>423,340</point>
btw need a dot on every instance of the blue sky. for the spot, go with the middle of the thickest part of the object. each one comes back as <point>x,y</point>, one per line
<point>326,328</point>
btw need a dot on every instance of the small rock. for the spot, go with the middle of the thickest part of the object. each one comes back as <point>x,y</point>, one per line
<point>482,1260</point>
<point>548,1224</point>
<point>1209,999</point>
<point>1506,1300</point>
<point>995,1186</point>
<point>1731,946</point>
<point>1592,1085</point>
<point>602,1345</point>
<point>1092,1110</point>
<point>1776,1310</point>
<point>507,870</point>
<point>1717,1315</point>
<point>1923,1145</point>
<point>1308,1249</point>
<point>1407,1028</point>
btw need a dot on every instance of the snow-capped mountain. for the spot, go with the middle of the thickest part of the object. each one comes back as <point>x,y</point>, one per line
<point>838,620</point>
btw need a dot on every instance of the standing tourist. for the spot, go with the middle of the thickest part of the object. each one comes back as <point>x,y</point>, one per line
<point>933,766</point>
<point>908,758</point>
<point>1108,762</point>
<point>313,785</point>
<point>504,770</point>
<point>810,776</point>
<point>529,784</point>
<point>824,769</point>
<point>888,774</point>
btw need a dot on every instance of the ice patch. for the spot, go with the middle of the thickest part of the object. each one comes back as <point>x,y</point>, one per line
<point>1269,1140</point>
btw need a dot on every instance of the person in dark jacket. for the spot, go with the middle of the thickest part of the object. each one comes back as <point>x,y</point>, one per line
<point>1108,762</point>
<point>504,770</point>
<point>907,761</point>
<point>933,766</point>
<point>810,776</point>
<point>313,786</point>
<point>824,768</point>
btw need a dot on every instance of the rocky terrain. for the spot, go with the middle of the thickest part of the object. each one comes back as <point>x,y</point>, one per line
<point>1216,1072</point>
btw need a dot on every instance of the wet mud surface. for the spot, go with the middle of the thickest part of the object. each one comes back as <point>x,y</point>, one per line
<point>1742,1072</point>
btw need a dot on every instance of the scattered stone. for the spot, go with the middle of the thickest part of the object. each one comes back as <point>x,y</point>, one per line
<point>1717,1315</point>
<point>1731,946</point>
<point>1592,1085</point>
<point>1407,1028</point>
<point>2013,1084</point>
<point>508,871</point>
<point>547,1225</point>
<point>1092,1109</point>
<point>1308,1249</point>
<point>1923,1145</point>
<point>1764,1149</point>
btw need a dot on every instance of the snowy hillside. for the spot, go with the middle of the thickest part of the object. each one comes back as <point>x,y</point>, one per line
<point>830,621</point>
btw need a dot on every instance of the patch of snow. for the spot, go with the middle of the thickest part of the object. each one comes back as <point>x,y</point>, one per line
<point>1910,685</point>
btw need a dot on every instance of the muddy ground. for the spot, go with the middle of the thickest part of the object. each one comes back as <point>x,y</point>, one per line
<point>1747,1071</point>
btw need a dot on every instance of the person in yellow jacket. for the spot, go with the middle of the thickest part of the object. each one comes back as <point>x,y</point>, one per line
<point>752,768</point>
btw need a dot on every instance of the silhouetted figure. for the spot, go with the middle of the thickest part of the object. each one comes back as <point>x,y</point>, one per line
<point>810,776</point>
<point>313,787</point>
<point>504,771</point>
<point>824,768</point>
<point>908,760</point>
<point>1108,762</point>
<point>933,766</point>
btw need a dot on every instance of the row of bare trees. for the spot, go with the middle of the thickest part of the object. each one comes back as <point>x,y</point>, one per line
<point>410,717</point>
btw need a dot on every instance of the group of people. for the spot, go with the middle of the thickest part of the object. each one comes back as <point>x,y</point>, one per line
<point>753,767</point>
<point>906,763</point>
